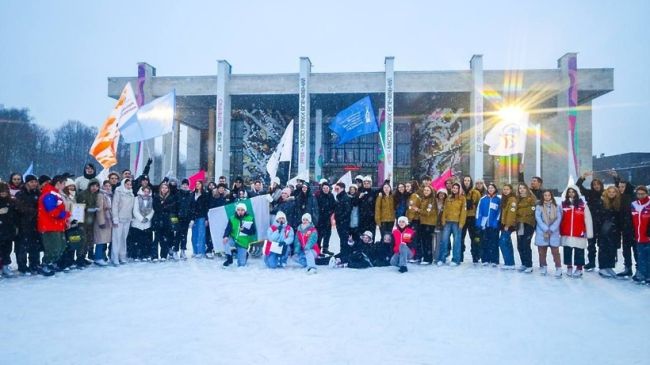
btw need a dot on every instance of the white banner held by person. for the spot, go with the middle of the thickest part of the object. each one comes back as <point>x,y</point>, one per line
<point>283,151</point>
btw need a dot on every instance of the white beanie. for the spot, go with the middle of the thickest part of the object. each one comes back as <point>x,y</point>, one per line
<point>442,190</point>
<point>322,181</point>
<point>280,215</point>
<point>68,182</point>
<point>367,233</point>
<point>276,180</point>
<point>403,219</point>
<point>307,216</point>
<point>368,179</point>
<point>242,206</point>
<point>359,177</point>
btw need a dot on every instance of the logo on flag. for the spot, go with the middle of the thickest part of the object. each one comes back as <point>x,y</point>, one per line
<point>356,120</point>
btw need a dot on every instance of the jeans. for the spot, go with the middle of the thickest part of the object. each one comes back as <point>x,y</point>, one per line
<point>643,272</point>
<point>99,251</point>
<point>307,259</point>
<point>272,261</point>
<point>449,229</point>
<point>523,246</point>
<point>490,245</point>
<point>198,236</point>
<point>400,259</point>
<point>242,253</point>
<point>579,259</point>
<point>505,244</point>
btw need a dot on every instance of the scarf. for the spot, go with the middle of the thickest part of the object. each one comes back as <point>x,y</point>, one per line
<point>145,204</point>
<point>549,213</point>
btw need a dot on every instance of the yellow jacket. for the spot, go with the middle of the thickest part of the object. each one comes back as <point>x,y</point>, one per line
<point>384,209</point>
<point>474,196</point>
<point>526,210</point>
<point>509,212</point>
<point>455,210</point>
<point>414,202</point>
<point>429,211</point>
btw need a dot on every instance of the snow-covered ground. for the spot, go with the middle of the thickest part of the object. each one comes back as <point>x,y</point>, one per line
<point>195,312</point>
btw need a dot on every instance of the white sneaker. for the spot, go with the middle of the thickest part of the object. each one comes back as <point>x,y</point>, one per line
<point>209,255</point>
<point>412,261</point>
<point>522,268</point>
<point>486,264</point>
<point>508,267</point>
<point>558,272</point>
<point>101,263</point>
<point>183,256</point>
<point>439,263</point>
<point>425,263</point>
<point>175,256</point>
<point>163,259</point>
<point>577,274</point>
<point>136,260</point>
<point>154,260</point>
<point>543,271</point>
<point>528,270</point>
<point>6,272</point>
<point>454,264</point>
<point>569,272</point>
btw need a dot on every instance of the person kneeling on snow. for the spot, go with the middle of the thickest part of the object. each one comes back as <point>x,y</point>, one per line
<point>239,233</point>
<point>305,244</point>
<point>282,234</point>
<point>403,237</point>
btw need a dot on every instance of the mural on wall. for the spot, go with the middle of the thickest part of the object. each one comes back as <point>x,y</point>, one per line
<point>437,142</point>
<point>260,133</point>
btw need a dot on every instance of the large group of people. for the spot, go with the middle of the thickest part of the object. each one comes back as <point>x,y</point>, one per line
<point>127,219</point>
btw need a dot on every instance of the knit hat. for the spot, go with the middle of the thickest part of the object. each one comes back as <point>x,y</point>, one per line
<point>402,219</point>
<point>68,182</point>
<point>280,215</point>
<point>323,181</point>
<point>276,180</point>
<point>368,179</point>
<point>367,233</point>
<point>241,206</point>
<point>185,181</point>
<point>359,177</point>
<point>92,182</point>
<point>306,216</point>
<point>43,179</point>
<point>29,178</point>
<point>442,190</point>
<point>354,186</point>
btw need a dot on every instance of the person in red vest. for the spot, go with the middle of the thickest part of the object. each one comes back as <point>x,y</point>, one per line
<point>575,229</point>
<point>51,223</point>
<point>641,226</point>
<point>403,251</point>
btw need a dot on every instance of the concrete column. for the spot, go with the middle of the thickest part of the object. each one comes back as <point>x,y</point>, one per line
<point>389,105</point>
<point>304,117</point>
<point>222,127</point>
<point>318,145</point>
<point>476,118</point>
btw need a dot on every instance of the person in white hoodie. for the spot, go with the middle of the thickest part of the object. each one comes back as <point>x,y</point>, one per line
<point>141,225</point>
<point>575,229</point>
<point>122,212</point>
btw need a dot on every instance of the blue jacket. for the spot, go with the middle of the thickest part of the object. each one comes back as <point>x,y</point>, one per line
<point>488,212</point>
<point>554,228</point>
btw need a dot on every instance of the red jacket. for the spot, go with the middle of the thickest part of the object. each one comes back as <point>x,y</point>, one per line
<point>573,220</point>
<point>400,237</point>
<point>641,220</point>
<point>52,215</point>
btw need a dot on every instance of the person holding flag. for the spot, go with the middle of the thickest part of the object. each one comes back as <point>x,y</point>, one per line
<point>238,235</point>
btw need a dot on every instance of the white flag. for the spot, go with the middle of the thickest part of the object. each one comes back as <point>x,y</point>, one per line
<point>508,137</point>
<point>29,171</point>
<point>346,179</point>
<point>283,152</point>
<point>152,120</point>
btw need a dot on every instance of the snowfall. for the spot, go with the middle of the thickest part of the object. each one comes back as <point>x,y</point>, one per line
<point>196,312</point>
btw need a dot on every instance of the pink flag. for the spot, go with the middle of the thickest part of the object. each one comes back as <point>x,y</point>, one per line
<point>439,183</point>
<point>199,176</point>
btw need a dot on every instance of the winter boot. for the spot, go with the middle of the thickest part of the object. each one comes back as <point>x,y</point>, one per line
<point>403,269</point>
<point>558,272</point>
<point>228,261</point>
<point>590,267</point>
<point>183,256</point>
<point>209,255</point>
<point>46,270</point>
<point>543,271</point>
<point>626,273</point>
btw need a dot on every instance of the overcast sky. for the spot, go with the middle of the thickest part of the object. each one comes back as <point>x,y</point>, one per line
<point>56,55</point>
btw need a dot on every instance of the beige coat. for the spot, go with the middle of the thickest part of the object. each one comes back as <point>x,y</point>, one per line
<point>103,217</point>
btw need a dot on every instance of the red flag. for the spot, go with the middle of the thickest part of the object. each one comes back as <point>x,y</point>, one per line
<point>439,183</point>
<point>199,176</point>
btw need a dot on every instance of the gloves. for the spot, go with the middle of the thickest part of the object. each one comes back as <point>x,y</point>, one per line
<point>73,222</point>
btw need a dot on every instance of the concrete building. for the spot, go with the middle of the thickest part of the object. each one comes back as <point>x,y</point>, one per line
<point>632,167</point>
<point>230,123</point>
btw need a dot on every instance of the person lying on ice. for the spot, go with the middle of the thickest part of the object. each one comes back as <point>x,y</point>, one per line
<point>239,233</point>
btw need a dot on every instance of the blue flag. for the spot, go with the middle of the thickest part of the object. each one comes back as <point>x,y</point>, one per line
<point>356,120</point>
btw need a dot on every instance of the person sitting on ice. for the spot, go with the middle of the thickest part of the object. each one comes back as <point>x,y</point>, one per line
<point>381,251</point>
<point>403,239</point>
<point>239,234</point>
<point>279,232</point>
<point>305,244</point>
<point>360,256</point>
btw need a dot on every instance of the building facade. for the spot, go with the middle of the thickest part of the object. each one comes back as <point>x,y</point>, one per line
<point>229,124</point>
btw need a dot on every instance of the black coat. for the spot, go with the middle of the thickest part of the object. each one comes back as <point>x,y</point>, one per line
<point>367,200</point>
<point>342,209</point>
<point>27,211</point>
<point>8,219</point>
<point>199,207</point>
<point>594,201</point>
<point>290,209</point>
<point>306,203</point>
<point>185,199</point>
<point>163,211</point>
<point>326,205</point>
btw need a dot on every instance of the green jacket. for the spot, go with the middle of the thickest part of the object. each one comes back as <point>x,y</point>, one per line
<point>242,236</point>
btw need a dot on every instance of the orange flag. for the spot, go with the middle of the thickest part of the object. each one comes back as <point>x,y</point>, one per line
<point>104,148</point>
